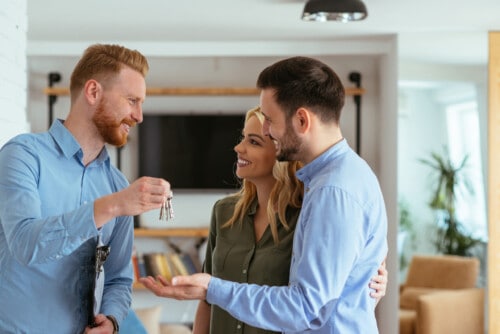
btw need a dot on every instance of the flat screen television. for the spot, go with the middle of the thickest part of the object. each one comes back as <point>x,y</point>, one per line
<point>190,151</point>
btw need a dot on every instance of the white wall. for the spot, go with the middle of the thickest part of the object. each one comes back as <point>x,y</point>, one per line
<point>13,79</point>
<point>238,65</point>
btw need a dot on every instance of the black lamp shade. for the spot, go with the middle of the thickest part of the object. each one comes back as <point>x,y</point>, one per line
<point>334,10</point>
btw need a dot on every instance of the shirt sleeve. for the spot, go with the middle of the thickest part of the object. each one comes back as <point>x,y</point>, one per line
<point>118,270</point>
<point>207,263</point>
<point>327,245</point>
<point>31,238</point>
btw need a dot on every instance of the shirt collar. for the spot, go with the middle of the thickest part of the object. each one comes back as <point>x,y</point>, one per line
<point>306,173</point>
<point>69,146</point>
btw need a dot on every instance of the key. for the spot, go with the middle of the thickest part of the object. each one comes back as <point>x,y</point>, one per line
<point>102,253</point>
<point>166,210</point>
<point>169,208</point>
<point>163,210</point>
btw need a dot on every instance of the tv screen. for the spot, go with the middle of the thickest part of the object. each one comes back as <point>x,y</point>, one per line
<point>190,151</point>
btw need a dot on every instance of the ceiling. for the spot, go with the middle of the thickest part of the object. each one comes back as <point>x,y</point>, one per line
<point>436,31</point>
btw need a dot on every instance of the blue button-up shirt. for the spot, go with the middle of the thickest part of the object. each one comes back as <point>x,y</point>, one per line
<point>48,235</point>
<point>339,243</point>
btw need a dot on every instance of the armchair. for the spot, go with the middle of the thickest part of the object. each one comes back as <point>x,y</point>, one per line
<point>439,296</point>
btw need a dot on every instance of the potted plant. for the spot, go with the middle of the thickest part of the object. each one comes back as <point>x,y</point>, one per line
<point>451,238</point>
<point>405,233</point>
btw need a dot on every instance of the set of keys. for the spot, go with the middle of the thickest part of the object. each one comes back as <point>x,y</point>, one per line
<point>166,210</point>
<point>102,253</point>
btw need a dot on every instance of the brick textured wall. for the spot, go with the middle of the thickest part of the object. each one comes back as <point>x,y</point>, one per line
<point>13,69</point>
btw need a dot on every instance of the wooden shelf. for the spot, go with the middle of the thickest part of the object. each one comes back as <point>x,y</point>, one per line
<point>197,232</point>
<point>193,91</point>
<point>138,286</point>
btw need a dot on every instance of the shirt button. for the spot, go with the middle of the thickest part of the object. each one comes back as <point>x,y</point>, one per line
<point>239,326</point>
<point>244,271</point>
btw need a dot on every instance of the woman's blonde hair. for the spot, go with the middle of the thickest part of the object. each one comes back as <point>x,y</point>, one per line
<point>288,191</point>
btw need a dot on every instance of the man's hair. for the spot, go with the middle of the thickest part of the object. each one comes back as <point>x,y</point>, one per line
<point>304,82</point>
<point>104,61</point>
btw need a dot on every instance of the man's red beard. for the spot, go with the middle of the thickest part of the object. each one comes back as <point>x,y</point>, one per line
<point>108,128</point>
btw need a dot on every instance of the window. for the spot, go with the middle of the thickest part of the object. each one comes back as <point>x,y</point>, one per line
<point>464,140</point>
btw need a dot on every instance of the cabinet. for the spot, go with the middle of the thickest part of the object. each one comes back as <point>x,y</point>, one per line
<point>200,233</point>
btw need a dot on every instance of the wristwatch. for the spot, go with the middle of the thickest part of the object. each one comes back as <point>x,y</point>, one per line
<point>116,327</point>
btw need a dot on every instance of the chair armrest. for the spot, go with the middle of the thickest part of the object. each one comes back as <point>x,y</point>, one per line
<point>451,311</point>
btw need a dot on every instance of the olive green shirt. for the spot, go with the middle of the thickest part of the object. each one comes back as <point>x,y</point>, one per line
<point>233,254</point>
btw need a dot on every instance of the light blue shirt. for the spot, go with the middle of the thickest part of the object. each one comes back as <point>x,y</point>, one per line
<point>339,243</point>
<point>48,235</point>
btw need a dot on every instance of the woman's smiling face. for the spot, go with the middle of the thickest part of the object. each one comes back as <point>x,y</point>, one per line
<point>256,152</point>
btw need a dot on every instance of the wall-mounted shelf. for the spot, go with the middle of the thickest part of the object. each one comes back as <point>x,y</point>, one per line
<point>197,232</point>
<point>354,77</point>
<point>138,286</point>
<point>193,91</point>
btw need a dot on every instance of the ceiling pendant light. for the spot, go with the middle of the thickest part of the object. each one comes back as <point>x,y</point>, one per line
<point>334,10</point>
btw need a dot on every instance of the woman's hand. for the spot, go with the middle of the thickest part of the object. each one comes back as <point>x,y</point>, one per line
<point>379,283</point>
